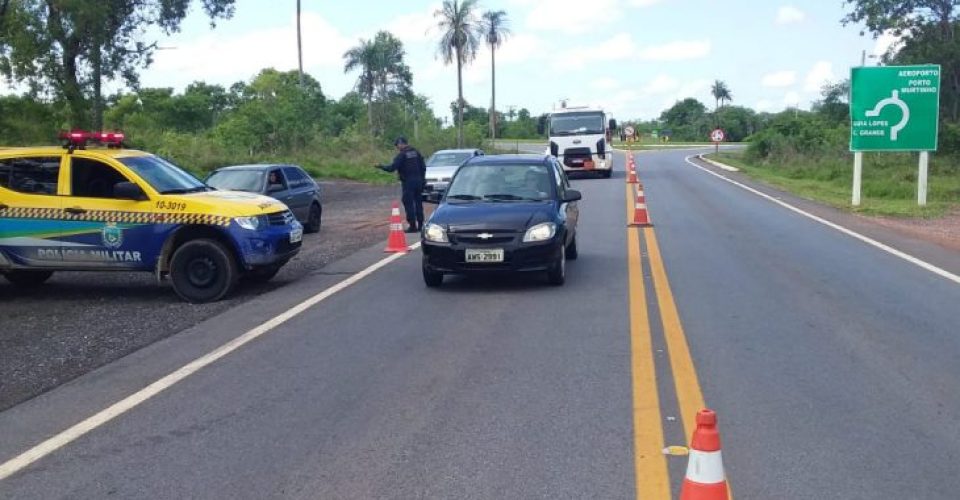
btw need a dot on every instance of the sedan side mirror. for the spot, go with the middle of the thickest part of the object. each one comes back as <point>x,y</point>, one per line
<point>572,195</point>
<point>128,191</point>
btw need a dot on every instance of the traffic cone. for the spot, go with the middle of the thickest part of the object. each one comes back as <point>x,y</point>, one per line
<point>631,171</point>
<point>397,243</point>
<point>640,215</point>
<point>705,479</point>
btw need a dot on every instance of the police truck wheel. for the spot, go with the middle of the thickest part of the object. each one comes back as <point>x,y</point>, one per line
<point>27,279</point>
<point>202,271</point>
<point>313,220</point>
<point>607,173</point>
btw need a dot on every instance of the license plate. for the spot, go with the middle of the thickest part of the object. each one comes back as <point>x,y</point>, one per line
<point>588,165</point>
<point>296,235</point>
<point>484,255</point>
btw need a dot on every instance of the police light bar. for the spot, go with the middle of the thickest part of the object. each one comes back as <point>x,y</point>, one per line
<point>78,139</point>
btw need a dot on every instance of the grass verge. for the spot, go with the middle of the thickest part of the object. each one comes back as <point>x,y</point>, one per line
<point>889,183</point>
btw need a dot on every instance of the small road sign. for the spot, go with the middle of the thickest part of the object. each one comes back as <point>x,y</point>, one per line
<point>628,130</point>
<point>717,135</point>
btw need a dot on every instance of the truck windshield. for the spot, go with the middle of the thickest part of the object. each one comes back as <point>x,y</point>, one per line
<point>576,124</point>
<point>162,175</point>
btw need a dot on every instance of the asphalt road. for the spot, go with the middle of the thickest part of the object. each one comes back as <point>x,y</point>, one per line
<point>832,364</point>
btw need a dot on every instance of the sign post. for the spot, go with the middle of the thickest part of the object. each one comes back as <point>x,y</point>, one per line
<point>717,136</point>
<point>894,108</point>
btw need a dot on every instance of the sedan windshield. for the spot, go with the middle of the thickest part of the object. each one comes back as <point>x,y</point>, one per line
<point>440,159</point>
<point>163,176</point>
<point>237,180</point>
<point>501,183</point>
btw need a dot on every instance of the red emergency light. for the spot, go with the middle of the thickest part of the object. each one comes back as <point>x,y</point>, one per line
<point>78,139</point>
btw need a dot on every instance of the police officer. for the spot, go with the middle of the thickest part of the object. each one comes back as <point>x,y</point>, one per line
<point>412,170</point>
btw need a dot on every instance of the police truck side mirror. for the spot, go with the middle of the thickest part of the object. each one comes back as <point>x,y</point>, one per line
<point>128,191</point>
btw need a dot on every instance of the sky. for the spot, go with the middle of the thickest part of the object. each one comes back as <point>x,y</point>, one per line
<point>634,58</point>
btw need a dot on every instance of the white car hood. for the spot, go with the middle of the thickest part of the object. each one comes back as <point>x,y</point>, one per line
<point>441,172</point>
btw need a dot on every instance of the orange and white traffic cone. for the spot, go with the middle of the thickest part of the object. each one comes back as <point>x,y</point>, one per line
<point>705,479</point>
<point>631,172</point>
<point>397,243</point>
<point>640,215</point>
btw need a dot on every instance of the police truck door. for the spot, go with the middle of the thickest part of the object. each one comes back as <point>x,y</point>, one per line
<point>30,225</point>
<point>103,230</point>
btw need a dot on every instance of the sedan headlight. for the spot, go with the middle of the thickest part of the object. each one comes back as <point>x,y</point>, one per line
<point>435,233</point>
<point>540,232</point>
<point>249,223</point>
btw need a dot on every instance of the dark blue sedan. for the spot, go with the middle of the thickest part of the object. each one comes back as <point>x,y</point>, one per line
<point>505,213</point>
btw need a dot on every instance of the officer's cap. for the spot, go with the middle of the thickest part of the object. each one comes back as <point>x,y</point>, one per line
<point>400,140</point>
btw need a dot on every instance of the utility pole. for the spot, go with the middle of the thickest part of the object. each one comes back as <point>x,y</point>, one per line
<point>299,46</point>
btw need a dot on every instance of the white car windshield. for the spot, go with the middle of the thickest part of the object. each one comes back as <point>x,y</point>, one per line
<point>441,159</point>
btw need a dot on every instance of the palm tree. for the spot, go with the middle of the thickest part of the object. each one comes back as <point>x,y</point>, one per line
<point>363,57</point>
<point>495,29</point>
<point>383,74</point>
<point>459,41</point>
<point>721,93</point>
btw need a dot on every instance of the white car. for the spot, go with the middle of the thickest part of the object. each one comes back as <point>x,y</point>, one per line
<point>443,164</point>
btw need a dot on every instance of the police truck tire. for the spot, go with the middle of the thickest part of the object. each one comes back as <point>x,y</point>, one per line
<point>607,173</point>
<point>203,271</point>
<point>27,279</point>
<point>313,219</point>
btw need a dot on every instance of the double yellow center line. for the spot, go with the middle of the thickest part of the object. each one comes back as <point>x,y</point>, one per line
<point>652,477</point>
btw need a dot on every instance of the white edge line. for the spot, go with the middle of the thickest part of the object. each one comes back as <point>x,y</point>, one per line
<point>717,164</point>
<point>69,435</point>
<point>870,241</point>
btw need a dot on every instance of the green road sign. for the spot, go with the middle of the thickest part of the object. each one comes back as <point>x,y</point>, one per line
<point>894,108</point>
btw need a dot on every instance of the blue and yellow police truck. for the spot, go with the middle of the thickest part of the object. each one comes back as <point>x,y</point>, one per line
<point>108,208</point>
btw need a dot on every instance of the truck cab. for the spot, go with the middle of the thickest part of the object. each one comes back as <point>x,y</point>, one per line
<point>580,139</point>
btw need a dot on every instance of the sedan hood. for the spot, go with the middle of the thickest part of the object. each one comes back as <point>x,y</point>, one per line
<point>499,217</point>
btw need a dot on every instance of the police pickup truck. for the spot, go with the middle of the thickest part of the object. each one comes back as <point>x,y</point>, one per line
<point>74,208</point>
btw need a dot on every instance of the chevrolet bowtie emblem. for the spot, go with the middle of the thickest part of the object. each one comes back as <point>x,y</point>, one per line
<point>484,236</point>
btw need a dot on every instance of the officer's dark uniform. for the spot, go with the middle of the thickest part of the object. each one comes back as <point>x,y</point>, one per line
<point>412,170</point>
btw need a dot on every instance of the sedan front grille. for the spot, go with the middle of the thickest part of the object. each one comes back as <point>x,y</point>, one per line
<point>475,239</point>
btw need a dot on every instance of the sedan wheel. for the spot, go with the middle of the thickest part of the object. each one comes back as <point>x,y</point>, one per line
<point>557,275</point>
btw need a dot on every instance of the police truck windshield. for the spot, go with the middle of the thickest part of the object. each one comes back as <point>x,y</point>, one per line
<point>162,175</point>
<point>576,124</point>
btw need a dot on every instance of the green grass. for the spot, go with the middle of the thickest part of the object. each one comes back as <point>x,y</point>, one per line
<point>889,182</point>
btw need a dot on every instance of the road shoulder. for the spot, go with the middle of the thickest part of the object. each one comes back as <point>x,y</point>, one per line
<point>940,251</point>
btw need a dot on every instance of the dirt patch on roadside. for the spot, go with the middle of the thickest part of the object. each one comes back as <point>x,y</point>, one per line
<point>78,322</point>
<point>944,231</point>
